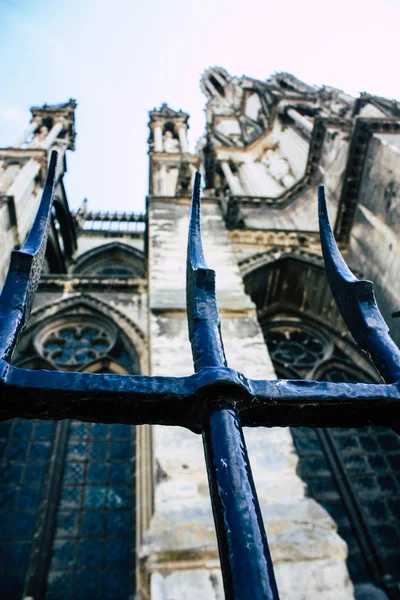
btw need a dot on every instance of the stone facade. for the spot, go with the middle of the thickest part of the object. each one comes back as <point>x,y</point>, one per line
<point>112,299</point>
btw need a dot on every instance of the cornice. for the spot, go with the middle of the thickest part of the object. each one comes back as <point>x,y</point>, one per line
<point>72,284</point>
<point>363,130</point>
<point>25,154</point>
<point>302,246</point>
<point>110,234</point>
<point>232,213</point>
<point>174,157</point>
<point>267,237</point>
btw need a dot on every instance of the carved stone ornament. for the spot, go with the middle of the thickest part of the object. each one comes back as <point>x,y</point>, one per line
<point>72,342</point>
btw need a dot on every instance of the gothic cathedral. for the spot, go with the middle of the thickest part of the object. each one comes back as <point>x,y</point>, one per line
<point>119,512</point>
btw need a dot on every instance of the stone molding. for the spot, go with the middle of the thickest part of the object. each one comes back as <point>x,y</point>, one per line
<point>231,207</point>
<point>363,130</point>
<point>92,302</point>
<point>71,284</point>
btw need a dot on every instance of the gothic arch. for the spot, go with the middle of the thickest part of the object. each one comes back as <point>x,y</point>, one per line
<point>290,283</point>
<point>111,259</point>
<point>214,81</point>
<point>93,492</point>
<point>348,471</point>
<point>283,247</point>
<point>126,349</point>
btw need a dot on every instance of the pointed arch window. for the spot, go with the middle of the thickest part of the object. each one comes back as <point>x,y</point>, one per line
<point>82,514</point>
<point>111,260</point>
<point>217,85</point>
<point>304,351</point>
<point>352,472</point>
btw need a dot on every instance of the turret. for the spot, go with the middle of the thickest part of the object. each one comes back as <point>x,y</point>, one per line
<point>23,168</point>
<point>171,166</point>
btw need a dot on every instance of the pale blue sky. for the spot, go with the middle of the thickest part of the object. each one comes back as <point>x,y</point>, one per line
<point>121,58</point>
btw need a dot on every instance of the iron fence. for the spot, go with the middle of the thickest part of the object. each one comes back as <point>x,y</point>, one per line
<point>215,401</point>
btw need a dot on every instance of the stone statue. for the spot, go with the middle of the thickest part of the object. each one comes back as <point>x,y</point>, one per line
<point>278,167</point>
<point>39,137</point>
<point>170,143</point>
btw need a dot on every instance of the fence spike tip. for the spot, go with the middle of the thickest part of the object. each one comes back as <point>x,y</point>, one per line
<point>355,299</point>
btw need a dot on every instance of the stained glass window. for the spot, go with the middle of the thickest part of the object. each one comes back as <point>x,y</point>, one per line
<point>25,448</point>
<point>353,473</point>
<point>295,347</point>
<point>90,548</point>
<point>72,344</point>
<point>93,549</point>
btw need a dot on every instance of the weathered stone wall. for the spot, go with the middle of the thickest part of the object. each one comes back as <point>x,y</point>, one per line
<point>12,236</point>
<point>179,551</point>
<point>301,213</point>
<point>127,298</point>
<point>375,240</point>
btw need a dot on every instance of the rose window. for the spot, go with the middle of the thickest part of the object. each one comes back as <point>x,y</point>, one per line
<point>72,344</point>
<point>293,346</point>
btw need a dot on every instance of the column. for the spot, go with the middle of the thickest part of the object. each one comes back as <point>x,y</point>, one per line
<point>302,122</point>
<point>31,129</point>
<point>158,141</point>
<point>24,179</point>
<point>233,183</point>
<point>179,551</point>
<point>249,179</point>
<point>182,133</point>
<point>52,135</point>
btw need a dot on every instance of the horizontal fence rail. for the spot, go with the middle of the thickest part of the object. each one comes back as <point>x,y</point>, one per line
<point>215,401</point>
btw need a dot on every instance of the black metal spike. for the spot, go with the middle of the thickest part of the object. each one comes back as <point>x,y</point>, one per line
<point>245,558</point>
<point>201,301</point>
<point>25,268</point>
<point>356,302</point>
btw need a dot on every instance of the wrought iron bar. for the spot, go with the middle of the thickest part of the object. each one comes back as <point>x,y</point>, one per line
<point>243,548</point>
<point>109,398</point>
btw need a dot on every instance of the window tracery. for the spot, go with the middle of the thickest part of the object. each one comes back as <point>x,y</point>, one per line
<point>72,343</point>
<point>338,464</point>
<point>299,350</point>
<point>295,346</point>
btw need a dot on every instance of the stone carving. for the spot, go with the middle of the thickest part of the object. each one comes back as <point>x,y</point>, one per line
<point>39,138</point>
<point>73,343</point>
<point>278,167</point>
<point>170,143</point>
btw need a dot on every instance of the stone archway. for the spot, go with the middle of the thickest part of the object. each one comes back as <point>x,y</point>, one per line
<point>353,473</point>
